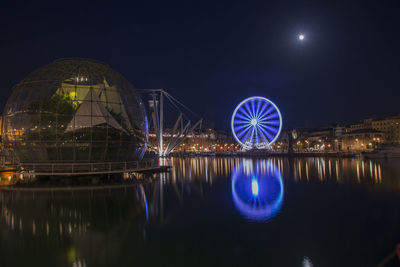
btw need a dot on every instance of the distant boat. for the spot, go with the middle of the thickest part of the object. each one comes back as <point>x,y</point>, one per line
<point>382,152</point>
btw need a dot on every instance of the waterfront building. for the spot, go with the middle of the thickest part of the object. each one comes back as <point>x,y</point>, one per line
<point>362,140</point>
<point>75,111</point>
<point>325,138</point>
<point>364,124</point>
<point>389,126</point>
<point>282,144</point>
<point>199,141</point>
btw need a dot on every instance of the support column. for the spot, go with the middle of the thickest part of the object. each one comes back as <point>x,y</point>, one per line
<point>161,144</point>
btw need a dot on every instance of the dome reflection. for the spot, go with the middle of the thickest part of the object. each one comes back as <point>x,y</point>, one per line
<point>257,189</point>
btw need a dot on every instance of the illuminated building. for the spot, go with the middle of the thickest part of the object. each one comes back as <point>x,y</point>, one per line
<point>75,110</point>
<point>365,124</point>
<point>207,141</point>
<point>362,139</point>
<point>389,126</point>
<point>320,139</point>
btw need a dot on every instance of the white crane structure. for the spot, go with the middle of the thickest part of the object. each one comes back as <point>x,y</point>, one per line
<point>182,126</point>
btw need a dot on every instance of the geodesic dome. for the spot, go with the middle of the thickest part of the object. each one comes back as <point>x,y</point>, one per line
<point>75,110</point>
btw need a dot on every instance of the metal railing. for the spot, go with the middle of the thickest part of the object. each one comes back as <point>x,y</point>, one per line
<point>8,158</point>
<point>87,168</point>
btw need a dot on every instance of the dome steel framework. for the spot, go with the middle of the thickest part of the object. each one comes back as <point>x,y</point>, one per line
<point>75,110</point>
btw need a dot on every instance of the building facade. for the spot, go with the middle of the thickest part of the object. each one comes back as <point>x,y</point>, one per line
<point>362,140</point>
<point>389,126</point>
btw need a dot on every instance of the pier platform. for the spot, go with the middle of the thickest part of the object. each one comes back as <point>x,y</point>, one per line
<point>68,169</point>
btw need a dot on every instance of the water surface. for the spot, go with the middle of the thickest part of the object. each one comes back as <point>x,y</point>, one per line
<point>214,212</point>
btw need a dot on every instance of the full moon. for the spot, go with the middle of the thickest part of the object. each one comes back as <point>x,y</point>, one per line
<point>301,37</point>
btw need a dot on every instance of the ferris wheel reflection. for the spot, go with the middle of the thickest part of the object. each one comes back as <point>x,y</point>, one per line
<point>257,190</point>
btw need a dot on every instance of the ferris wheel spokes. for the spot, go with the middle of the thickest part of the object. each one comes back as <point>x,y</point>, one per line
<point>256,123</point>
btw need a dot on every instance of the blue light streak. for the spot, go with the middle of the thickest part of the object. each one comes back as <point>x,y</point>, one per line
<point>144,199</point>
<point>254,187</point>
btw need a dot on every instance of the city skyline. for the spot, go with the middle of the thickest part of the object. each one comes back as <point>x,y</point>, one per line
<point>210,56</point>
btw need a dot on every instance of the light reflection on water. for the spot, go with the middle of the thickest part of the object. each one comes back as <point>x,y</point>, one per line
<point>92,227</point>
<point>257,189</point>
<point>190,175</point>
<point>352,170</point>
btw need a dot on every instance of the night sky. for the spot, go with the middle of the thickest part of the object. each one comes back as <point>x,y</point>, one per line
<point>211,55</point>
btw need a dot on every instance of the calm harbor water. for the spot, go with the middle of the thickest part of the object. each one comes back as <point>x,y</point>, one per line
<point>214,212</point>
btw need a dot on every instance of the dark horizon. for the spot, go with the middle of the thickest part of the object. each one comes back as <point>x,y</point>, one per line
<point>211,56</point>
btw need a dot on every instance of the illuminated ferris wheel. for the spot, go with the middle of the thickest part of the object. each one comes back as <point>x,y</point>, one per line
<point>256,123</point>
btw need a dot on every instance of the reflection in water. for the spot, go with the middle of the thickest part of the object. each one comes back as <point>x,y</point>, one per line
<point>257,189</point>
<point>205,170</point>
<point>144,201</point>
<point>101,227</point>
<point>307,262</point>
<point>334,168</point>
<point>74,228</point>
